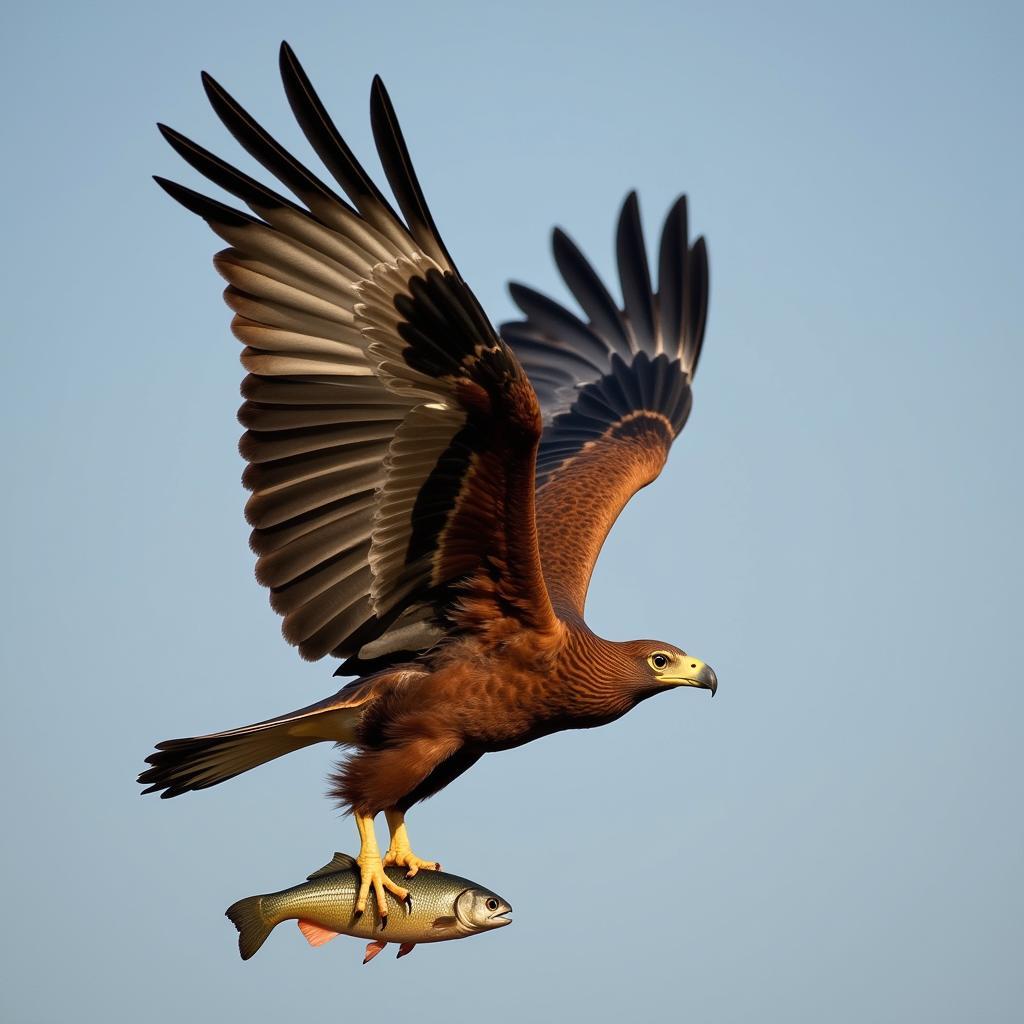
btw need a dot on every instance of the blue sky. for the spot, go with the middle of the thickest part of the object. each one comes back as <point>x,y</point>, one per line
<point>837,836</point>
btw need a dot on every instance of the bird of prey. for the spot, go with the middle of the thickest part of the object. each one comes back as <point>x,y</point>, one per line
<point>429,494</point>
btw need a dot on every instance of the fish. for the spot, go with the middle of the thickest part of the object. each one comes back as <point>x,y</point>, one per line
<point>440,907</point>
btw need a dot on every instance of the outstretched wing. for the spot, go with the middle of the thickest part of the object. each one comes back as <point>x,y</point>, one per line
<point>614,387</point>
<point>391,434</point>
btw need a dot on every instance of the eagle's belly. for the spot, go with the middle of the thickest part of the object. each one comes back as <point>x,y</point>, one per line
<point>469,711</point>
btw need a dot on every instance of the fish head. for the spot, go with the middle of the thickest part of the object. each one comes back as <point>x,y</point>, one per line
<point>479,910</point>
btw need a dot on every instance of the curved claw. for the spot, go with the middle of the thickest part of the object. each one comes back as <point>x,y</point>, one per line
<point>405,858</point>
<point>371,875</point>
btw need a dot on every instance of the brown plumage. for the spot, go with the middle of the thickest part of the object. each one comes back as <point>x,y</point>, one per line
<point>429,497</point>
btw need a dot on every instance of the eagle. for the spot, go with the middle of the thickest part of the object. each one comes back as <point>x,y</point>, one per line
<point>429,495</point>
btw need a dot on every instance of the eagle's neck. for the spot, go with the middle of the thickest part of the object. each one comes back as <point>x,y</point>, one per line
<point>601,676</point>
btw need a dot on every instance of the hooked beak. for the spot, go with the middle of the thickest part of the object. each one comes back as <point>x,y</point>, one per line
<point>693,672</point>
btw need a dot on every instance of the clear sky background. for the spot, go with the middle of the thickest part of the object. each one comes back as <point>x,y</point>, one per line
<point>838,835</point>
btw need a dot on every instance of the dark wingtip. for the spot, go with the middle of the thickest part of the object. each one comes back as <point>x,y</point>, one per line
<point>211,210</point>
<point>175,139</point>
<point>635,276</point>
<point>380,101</point>
<point>629,212</point>
<point>559,236</point>
<point>172,188</point>
<point>287,60</point>
<point>679,202</point>
<point>383,109</point>
<point>519,291</point>
<point>218,96</point>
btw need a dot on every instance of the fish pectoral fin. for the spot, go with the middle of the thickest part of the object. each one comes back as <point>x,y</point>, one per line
<point>405,949</point>
<point>372,949</point>
<point>444,922</point>
<point>315,934</point>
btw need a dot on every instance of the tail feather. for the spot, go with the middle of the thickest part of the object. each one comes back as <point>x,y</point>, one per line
<point>247,916</point>
<point>198,762</point>
<point>203,761</point>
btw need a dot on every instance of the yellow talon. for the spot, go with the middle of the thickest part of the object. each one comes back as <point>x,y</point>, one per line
<point>407,859</point>
<point>400,852</point>
<point>371,872</point>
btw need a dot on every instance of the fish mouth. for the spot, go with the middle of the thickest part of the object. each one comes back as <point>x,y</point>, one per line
<point>500,919</point>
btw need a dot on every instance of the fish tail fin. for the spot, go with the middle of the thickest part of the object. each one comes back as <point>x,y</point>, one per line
<point>253,928</point>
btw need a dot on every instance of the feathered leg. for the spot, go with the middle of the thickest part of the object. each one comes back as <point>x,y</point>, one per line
<point>394,777</point>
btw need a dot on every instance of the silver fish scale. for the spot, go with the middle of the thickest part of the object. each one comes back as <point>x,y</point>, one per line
<point>329,901</point>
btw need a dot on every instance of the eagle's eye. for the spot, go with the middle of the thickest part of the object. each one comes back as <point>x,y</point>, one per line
<point>492,904</point>
<point>658,660</point>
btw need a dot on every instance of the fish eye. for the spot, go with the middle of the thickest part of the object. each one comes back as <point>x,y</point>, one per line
<point>491,904</point>
<point>658,660</point>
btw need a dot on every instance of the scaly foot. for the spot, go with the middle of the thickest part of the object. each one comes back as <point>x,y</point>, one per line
<point>405,858</point>
<point>371,875</point>
<point>371,872</point>
<point>400,852</point>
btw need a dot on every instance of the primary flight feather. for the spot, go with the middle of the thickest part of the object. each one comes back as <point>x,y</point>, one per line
<point>430,496</point>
